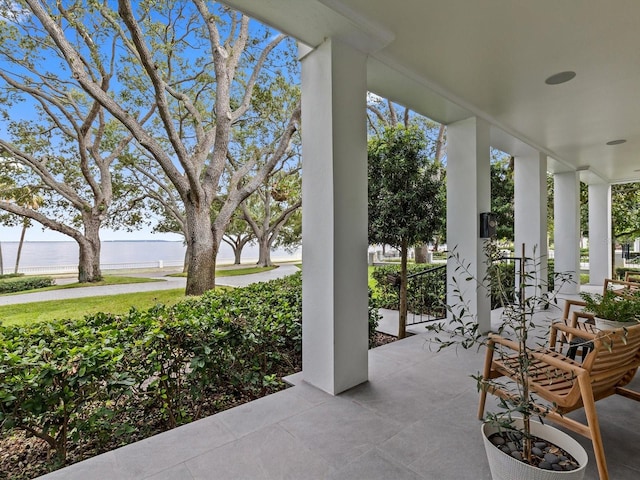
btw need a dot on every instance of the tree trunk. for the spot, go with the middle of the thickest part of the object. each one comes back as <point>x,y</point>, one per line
<point>402,317</point>
<point>421,253</point>
<point>25,225</point>
<point>264,252</point>
<point>237,255</point>
<point>202,250</point>
<point>185,263</point>
<point>89,261</point>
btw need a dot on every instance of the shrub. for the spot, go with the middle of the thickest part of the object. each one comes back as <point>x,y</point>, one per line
<point>374,317</point>
<point>386,290</point>
<point>50,375</point>
<point>11,275</point>
<point>21,284</point>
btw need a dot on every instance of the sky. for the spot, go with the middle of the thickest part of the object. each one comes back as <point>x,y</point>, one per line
<point>36,234</point>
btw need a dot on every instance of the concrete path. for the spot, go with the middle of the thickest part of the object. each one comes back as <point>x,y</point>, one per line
<point>164,283</point>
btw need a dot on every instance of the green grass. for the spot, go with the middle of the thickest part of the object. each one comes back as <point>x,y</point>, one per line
<point>79,307</point>
<point>232,272</point>
<point>106,280</point>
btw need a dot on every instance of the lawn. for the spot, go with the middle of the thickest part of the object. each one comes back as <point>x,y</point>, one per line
<point>232,272</point>
<point>106,280</point>
<point>117,304</point>
<point>79,307</point>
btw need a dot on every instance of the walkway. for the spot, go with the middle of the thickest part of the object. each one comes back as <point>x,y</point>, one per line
<point>164,283</point>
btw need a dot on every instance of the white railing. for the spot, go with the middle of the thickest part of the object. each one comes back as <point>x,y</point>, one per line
<point>73,269</point>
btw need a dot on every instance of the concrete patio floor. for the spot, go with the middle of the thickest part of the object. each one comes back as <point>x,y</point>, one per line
<point>414,419</point>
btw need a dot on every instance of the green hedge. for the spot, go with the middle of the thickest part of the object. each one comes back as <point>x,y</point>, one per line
<point>21,284</point>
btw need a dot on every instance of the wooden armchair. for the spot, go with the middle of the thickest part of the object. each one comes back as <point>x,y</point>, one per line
<point>563,385</point>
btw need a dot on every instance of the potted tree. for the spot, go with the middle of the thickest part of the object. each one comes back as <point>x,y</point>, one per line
<point>516,444</point>
<point>613,309</point>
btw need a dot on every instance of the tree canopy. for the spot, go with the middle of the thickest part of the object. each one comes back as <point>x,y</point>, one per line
<point>405,204</point>
<point>185,81</point>
<point>625,211</point>
<point>502,193</point>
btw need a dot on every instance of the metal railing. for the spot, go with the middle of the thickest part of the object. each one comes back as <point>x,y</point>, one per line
<point>426,295</point>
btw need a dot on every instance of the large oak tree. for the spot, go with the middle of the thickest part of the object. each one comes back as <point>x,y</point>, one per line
<point>58,144</point>
<point>186,75</point>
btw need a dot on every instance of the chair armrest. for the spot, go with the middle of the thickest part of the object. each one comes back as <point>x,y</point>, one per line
<point>582,330</point>
<point>555,360</point>
<point>495,338</point>
<point>566,311</point>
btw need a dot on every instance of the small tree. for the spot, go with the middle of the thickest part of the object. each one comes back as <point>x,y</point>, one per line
<point>270,208</point>
<point>237,235</point>
<point>405,205</point>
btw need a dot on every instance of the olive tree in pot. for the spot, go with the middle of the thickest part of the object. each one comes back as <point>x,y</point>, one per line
<point>516,444</point>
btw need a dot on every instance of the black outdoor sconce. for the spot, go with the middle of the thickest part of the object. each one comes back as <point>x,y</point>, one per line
<point>488,225</point>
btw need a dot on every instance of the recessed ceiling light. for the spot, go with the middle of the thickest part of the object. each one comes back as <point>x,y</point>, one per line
<point>561,77</point>
<point>617,142</point>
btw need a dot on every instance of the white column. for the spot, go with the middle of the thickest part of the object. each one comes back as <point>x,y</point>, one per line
<point>566,226</point>
<point>530,211</point>
<point>334,226</point>
<point>468,194</point>
<point>599,233</point>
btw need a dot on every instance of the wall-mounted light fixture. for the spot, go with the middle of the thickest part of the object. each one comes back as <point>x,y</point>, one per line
<point>488,225</point>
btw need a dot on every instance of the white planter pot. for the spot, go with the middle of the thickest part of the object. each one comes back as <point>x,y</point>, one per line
<point>505,467</point>
<point>604,324</point>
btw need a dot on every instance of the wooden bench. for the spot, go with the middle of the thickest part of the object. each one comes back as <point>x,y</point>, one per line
<point>563,385</point>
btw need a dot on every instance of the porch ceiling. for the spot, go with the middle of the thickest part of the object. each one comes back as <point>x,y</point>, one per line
<point>452,59</point>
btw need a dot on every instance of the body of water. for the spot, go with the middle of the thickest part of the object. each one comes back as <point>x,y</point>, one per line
<point>114,253</point>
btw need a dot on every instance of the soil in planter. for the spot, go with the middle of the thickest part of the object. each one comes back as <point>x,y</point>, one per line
<point>544,455</point>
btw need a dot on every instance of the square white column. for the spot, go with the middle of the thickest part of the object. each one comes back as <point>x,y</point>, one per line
<point>599,233</point>
<point>334,225</point>
<point>566,227</point>
<point>530,212</point>
<point>468,195</point>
